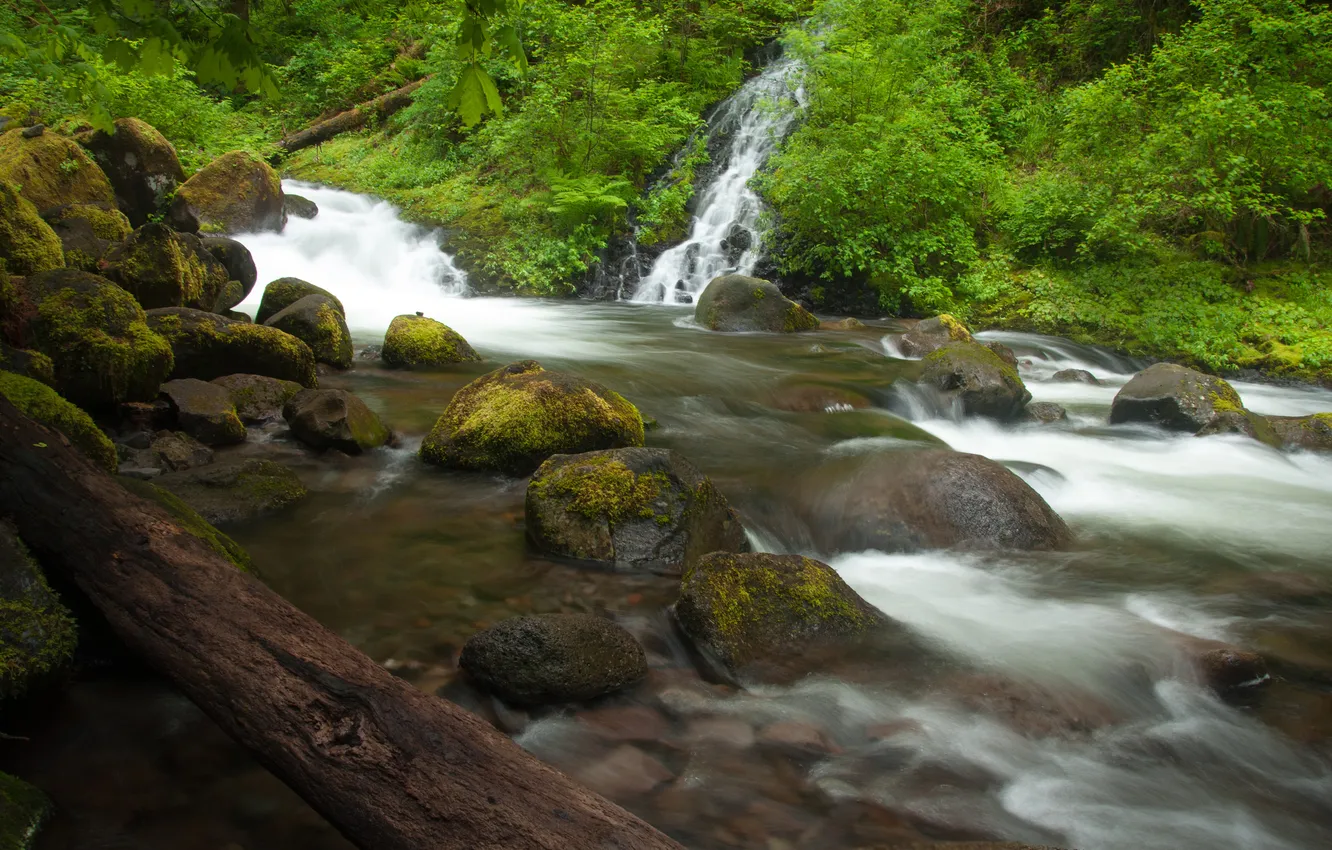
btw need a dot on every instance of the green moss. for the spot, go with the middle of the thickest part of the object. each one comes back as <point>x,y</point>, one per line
<point>266,486</point>
<point>45,405</point>
<point>208,346</point>
<point>799,319</point>
<point>226,194</point>
<point>953,353</point>
<point>956,330</point>
<point>166,269</point>
<point>37,633</point>
<point>52,170</point>
<point>27,243</point>
<point>420,341</point>
<point>191,522</point>
<point>1224,398</point>
<point>286,291</point>
<point>23,810</point>
<point>109,224</point>
<point>317,321</point>
<point>30,364</point>
<point>600,487</point>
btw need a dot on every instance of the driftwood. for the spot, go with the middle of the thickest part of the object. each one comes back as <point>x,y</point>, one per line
<point>391,767</point>
<point>354,118</point>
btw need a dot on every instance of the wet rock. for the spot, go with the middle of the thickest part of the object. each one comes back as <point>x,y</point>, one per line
<point>932,334</point>
<point>1003,352</point>
<point>87,233</point>
<point>421,342</point>
<point>909,500</point>
<point>793,737</point>
<point>163,268</point>
<point>848,324</point>
<point>231,294</point>
<point>27,243</point>
<point>1075,376</point>
<point>29,364</point>
<point>985,384</point>
<point>334,419</point>
<point>317,321</point>
<point>1044,413</point>
<point>236,193</point>
<point>208,346</point>
<point>626,772</point>
<point>174,451</point>
<point>299,206</point>
<point>1244,422</point>
<point>817,398</point>
<point>553,658</point>
<point>285,291</point>
<point>624,723</point>
<point>736,303</point>
<point>53,171</point>
<point>634,508</point>
<point>141,165</point>
<point>743,610</point>
<point>192,523</point>
<point>719,732</point>
<point>258,398</point>
<point>1174,397</point>
<point>971,845</point>
<point>236,259</point>
<point>1030,709</point>
<point>1228,670</point>
<point>37,632</point>
<point>1280,586</point>
<point>236,491</point>
<point>204,411</point>
<point>43,404</point>
<point>514,418</point>
<point>1310,433</point>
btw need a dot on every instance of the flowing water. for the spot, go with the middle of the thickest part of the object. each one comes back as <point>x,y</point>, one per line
<point>1046,699</point>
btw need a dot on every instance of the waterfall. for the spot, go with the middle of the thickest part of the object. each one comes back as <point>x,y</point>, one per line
<point>724,237</point>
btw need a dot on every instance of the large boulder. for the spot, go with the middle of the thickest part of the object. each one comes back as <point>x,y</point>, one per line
<point>236,193</point>
<point>164,268</point>
<point>317,321</point>
<point>37,634</point>
<point>743,611</point>
<point>737,303</point>
<point>23,811</point>
<point>258,398</point>
<point>87,233</point>
<point>236,259</point>
<point>52,171</point>
<point>982,382</point>
<point>27,243</point>
<point>908,500</point>
<point>514,418</point>
<point>38,401</point>
<point>236,491</point>
<point>932,334</point>
<point>204,411</point>
<point>1311,433</point>
<point>141,165</point>
<point>1174,397</point>
<point>208,346</point>
<point>190,521</point>
<point>286,291</point>
<point>553,658</point>
<point>334,419</point>
<point>98,339</point>
<point>418,341</point>
<point>635,509</point>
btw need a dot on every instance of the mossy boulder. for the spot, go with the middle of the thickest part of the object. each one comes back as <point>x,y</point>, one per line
<point>745,611</point>
<point>981,382</point>
<point>23,811</point>
<point>164,268</point>
<point>37,633</point>
<point>317,321</point>
<point>29,364</point>
<point>209,346</point>
<point>38,401</point>
<point>514,418</point>
<point>737,304</point>
<point>141,165</point>
<point>169,451</point>
<point>236,193</point>
<point>258,398</point>
<point>237,261</point>
<point>1246,423</point>
<point>52,170</point>
<point>299,206</point>
<point>236,491</point>
<point>421,342</point>
<point>190,520</point>
<point>553,658</point>
<point>204,411</point>
<point>286,291</point>
<point>932,334</point>
<point>231,294</point>
<point>27,243</point>
<point>1310,433</point>
<point>334,419</point>
<point>635,509</point>
<point>98,339</point>
<point>87,233</point>
<point>1174,397</point>
<point>908,500</point>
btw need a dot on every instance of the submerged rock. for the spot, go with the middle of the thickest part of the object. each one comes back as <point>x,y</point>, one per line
<point>553,658</point>
<point>258,398</point>
<point>37,633</point>
<point>285,291</point>
<point>1174,397</point>
<point>334,419</point>
<point>236,491</point>
<point>1311,433</point>
<point>418,341</point>
<point>53,171</point>
<point>43,404</point>
<point>736,303</point>
<point>514,418</point>
<point>208,346</point>
<point>932,334</point>
<point>27,243</point>
<point>317,321</point>
<point>635,508</point>
<point>164,268</point>
<point>204,411</point>
<point>985,384</point>
<point>173,451</point>
<point>236,193</point>
<point>140,163</point>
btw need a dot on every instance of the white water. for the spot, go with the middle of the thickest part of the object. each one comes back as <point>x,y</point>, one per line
<point>755,118</point>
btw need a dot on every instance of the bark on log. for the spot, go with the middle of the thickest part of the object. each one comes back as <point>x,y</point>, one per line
<point>354,118</point>
<point>391,767</point>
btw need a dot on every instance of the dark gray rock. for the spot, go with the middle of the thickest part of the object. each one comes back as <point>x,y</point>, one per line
<point>236,491</point>
<point>334,419</point>
<point>204,411</point>
<point>1045,413</point>
<point>736,303</point>
<point>285,291</point>
<point>317,321</point>
<point>1311,433</point>
<point>931,334</point>
<point>984,383</point>
<point>1174,397</point>
<point>298,206</point>
<point>258,398</point>
<point>1075,376</point>
<point>236,259</point>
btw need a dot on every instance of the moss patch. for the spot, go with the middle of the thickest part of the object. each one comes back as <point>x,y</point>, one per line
<point>52,170</point>
<point>236,192</point>
<point>27,243</point>
<point>601,487</point>
<point>417,341</point>
<point>208,346</point>
<point>111,225</point>
<point>190,521</point>
<point>166,269</point>
<point>286,291</point>
<point>37,633</point>
<point>23,810</point>
<point>317,321</point>
<point>45,405</point>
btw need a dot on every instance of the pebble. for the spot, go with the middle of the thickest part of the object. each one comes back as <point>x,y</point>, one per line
<point>626,723</point>
<point>726,731</point>
<point>627,771</point>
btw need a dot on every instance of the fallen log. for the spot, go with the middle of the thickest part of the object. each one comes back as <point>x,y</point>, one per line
<point>391,767</point>
<point>354,118</point>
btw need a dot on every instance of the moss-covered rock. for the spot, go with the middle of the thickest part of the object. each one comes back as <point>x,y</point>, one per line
<point>51,170</point>
<point>1311,433</point>
<point>37,633</point>
<point>27,243</point>
<point>30,364</point>
<point>38,401</point>
<point>164,268</point>
<point>334,419</point>
<point>635,509</point>
<point>190,520</point>
<point>258,398</point>
<point>298,206</point>
<point>514,418</point>
<point>981,382</point>
<point>23,811</point>
<point>931,334</point>
<point>317,321</point>
<point>97,338</point>
<point>743,610</point>
<point>1174,397</point>
<point>204,411</point>
<point>236,193</point>
<point>286,291</point>
<point>141,165</point>
<point>1246,423</point>
<point>736,303</point>
<point>418,341</point>
<point>209,346</point>
<point>236,491</point>
<point>169,451</point>
<point>236,259</point>
<point>87,233</point>
<point>553,658</point>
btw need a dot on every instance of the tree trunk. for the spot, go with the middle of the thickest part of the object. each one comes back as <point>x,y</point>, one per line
<point>391,767</point>
<point>355,118</point>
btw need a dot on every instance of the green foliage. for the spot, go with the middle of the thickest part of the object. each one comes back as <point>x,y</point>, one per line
<point>663,213</point>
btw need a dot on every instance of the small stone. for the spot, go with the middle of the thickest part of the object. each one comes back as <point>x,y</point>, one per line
<point>722,731</point>
<point>1075,376</point>
<point>1045,413</point>
<point>626,772</point>
<point>626,723</point>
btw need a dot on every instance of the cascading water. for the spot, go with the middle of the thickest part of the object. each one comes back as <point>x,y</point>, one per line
<point>724,236</point>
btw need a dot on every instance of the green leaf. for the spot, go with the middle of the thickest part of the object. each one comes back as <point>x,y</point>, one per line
<point>507,38</point>
<point>469,96</point>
